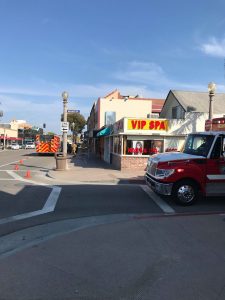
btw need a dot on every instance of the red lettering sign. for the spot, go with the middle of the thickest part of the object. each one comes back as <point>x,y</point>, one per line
<point>162,126</point>
<point>143,123</point>
<point>151,125</point>
<point>134,124</point>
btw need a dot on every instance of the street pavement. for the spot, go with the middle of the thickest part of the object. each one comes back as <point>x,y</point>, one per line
<point>95,233</point>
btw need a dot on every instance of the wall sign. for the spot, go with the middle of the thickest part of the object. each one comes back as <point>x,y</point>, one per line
<point>147,124</point>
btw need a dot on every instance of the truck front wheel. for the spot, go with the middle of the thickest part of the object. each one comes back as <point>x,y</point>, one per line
<point>185,192</point>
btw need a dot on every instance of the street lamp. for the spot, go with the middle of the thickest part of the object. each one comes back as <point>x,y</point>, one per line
<point>61,158</point>
<point>211,89</point>
<point>65,97</point>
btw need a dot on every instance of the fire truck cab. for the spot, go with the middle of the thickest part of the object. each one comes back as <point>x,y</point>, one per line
<point>198,169</point>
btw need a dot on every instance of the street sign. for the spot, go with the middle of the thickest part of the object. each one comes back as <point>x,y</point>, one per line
<point>64,126</point>
<point>73,111</point>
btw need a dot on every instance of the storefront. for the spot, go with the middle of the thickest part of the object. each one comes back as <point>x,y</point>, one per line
<point>132,141</point>
<point>7,135</point>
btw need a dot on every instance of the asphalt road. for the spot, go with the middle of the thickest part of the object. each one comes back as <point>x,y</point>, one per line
<point>26,191</point>
<point>93,241</point>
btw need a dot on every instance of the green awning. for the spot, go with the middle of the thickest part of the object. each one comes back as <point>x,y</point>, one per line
<point>103,132</point>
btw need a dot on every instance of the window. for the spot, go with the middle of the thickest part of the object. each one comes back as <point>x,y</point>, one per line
<point>115,144</point>
<point>147,147</point>
<point>110,117</point>
<point>177,112</point>
<point>197,144</point>
<point>218,148</point>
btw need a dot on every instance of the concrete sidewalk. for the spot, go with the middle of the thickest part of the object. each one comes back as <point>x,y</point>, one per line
<point>88,168</point>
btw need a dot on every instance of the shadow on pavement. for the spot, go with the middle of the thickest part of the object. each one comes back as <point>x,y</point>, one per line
<point>202,205</point>
<point>84,159</point>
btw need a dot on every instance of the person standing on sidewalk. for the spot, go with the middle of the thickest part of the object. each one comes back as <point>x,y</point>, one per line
<point>74,149</point>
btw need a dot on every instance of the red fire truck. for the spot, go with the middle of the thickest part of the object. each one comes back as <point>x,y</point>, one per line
<point>47,143</point>
<point>198,169</point>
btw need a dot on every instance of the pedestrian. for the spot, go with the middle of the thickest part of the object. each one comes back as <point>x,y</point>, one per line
<point>74,149</point>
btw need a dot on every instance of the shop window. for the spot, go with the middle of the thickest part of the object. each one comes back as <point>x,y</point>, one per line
<point>148,147</point>
<point>177,112</point>
<point>110,117</point>
<point>115,144</point>
<point>119,145</point>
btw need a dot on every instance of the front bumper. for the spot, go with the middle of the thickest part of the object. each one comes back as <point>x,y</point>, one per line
<point>159,187</point>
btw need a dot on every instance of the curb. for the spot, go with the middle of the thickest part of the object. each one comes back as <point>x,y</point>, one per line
<point>115,181</point>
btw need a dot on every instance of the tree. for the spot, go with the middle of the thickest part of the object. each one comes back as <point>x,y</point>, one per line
<point>50,133</point>
<point>76,122</point>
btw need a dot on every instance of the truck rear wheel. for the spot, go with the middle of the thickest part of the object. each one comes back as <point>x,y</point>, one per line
<point>185,192</point>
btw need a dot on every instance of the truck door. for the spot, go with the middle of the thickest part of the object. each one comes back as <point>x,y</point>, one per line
<point>215,177</point>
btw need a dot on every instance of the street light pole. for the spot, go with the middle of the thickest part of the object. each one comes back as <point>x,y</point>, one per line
<point>4,140</point>
<point>65,96</point>
<point>211,89</point>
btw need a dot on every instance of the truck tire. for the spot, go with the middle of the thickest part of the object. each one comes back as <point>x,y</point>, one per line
<point>185,192</point>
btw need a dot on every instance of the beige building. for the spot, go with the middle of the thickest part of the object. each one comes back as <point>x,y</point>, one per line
<point>20,124</point>
<point>130,141</point>
<point>5,129</point>
<point>9,131</point>
<point>7,135</point>
<point>114,107</point>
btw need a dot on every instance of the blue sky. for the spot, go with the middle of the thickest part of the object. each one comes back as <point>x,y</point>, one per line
<point>91,47</point>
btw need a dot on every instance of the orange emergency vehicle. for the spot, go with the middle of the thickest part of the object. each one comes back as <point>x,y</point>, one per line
<point>47,143</point>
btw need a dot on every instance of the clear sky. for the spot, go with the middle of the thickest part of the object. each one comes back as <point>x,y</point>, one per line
<point>91,47</point>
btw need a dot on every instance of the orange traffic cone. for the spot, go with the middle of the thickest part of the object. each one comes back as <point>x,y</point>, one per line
<point>21,161</point>
<point>27,174</point>
<point>16,167</point>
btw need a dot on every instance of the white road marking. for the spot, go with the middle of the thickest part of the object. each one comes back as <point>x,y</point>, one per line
<point>12,162</point>
<point>21,170</point>
<point>52,199</point>
<point>48,207</point>
<point>162,204</point>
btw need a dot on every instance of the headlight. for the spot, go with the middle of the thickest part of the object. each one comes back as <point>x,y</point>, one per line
<point>163,173</point>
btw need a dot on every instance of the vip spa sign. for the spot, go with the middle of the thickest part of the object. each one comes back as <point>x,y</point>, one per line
<point>147,124</point>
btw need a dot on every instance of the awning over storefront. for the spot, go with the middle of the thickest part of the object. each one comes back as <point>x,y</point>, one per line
<point>104,132</point>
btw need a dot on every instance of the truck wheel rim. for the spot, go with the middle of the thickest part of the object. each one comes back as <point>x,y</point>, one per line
<point>186,193</point>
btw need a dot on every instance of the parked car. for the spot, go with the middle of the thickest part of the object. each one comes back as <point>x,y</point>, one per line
<point>15,146</point>
<point>30,145</point>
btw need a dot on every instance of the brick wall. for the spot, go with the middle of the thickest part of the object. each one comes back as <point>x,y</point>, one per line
<point>129,162</point>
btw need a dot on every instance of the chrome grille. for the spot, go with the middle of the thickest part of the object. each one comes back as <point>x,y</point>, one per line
<point>152,168</point>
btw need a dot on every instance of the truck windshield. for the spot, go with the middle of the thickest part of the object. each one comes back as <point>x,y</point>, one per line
<point>198,144</point>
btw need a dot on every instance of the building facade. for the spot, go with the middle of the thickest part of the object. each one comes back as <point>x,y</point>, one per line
<point>129,141</point>
<point>113,107</point>
<point>132,140</point>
